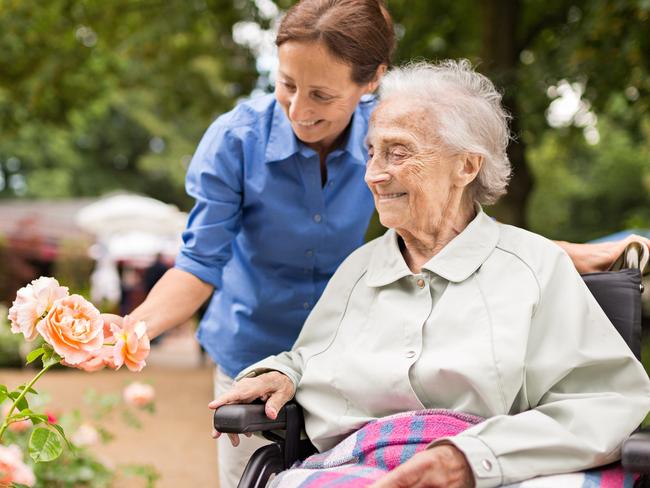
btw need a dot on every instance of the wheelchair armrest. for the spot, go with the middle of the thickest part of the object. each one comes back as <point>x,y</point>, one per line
<point>635,454</point>
<point>250,417</point>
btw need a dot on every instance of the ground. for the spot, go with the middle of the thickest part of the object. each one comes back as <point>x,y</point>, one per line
<point>176,439</point>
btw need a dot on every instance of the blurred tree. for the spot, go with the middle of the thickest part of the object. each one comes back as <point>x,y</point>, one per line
<point>97,96</point>
<point>526,47</point>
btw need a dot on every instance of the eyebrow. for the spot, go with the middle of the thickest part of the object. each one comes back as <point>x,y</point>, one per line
<point>392,139</point>
<point>317,87</point>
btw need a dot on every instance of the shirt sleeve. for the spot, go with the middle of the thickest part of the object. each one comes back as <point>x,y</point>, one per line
<point>583,392</point>
<point>215,180</point>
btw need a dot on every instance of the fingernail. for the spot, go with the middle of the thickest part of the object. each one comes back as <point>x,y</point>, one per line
<point>272,412</point>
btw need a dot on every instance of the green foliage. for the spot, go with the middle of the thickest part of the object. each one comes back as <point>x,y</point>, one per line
<point>101,96</point>
<point>44,445</point>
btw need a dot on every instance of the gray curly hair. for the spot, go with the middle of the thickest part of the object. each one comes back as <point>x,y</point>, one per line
<point>470,116</point>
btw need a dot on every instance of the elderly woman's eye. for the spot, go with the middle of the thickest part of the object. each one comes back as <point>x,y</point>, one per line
<point>397,153</point>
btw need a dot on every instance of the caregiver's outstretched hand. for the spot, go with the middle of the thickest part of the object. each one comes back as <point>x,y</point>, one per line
<point>273,388</point>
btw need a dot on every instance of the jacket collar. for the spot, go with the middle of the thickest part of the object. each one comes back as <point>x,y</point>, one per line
<point>456,262</point>
<point>283,143</point>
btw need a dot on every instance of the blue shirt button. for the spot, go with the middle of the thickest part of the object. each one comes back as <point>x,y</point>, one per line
<point>317,218</point>
<point>305,306</point>
<point>309,253</point>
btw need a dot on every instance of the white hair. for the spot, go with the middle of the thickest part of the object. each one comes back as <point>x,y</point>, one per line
<point>469,115</point>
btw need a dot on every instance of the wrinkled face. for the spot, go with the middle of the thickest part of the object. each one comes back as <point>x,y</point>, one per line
<point>411,175</point>
<point>316,92</point>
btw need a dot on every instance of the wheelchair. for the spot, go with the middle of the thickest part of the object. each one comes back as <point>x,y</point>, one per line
<point>617,292</point>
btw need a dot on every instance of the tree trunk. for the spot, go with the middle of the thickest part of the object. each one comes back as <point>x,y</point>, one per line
<point>500,60</point>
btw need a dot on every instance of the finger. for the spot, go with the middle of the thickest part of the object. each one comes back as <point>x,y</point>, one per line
<point>248,434</point>
<point>275,402</point>
<point>234,395</point>
<point>234,439</point>
<point>215,434</point>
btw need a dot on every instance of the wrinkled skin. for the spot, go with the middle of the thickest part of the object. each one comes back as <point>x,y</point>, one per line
<point>442,466</point>
<point>418,184</point>
<point>274,388</point>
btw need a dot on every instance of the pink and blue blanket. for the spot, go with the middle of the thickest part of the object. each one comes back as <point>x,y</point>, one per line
<point>383,444</point>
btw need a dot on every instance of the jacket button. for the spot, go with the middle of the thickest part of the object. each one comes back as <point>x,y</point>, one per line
<point>487,465</point>
<point>420,283</point>
<point>410,354</point>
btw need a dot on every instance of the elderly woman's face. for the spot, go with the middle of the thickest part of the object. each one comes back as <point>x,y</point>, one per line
<point>411,175</point>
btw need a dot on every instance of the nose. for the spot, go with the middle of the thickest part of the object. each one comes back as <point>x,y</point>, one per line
<point>376,173</point>
<point>299,107</point>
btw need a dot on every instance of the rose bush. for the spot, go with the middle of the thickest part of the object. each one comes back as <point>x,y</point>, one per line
<point>74,334</point>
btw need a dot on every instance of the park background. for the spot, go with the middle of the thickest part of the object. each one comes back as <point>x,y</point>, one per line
<point>105,98</point>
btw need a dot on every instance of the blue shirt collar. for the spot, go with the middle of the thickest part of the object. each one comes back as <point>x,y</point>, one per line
<point>283,143</point>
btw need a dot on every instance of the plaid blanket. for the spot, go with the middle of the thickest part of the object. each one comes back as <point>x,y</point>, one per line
<point>383,444</point>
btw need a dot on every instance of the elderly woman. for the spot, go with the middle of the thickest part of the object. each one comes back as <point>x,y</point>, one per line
<point>452,310</point>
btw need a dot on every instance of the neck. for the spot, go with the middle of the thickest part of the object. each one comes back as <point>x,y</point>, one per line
<point>419,246</point>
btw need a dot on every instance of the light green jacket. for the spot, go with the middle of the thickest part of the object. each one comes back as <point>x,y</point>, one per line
<point>498,324</point>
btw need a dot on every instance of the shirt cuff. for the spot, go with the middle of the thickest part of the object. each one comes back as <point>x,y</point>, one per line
<point>210,275</point>
<point>484,464</point>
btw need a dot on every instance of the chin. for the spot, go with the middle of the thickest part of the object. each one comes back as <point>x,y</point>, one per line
<point>388,221</point>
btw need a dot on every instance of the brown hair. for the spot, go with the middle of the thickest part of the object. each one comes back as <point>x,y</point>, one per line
<point>358,32</point>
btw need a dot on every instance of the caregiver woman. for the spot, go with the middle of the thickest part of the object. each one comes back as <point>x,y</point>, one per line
<point>280,196</point>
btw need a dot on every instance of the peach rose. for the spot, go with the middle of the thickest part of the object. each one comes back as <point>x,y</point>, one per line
<point>74,328</point>
<point>21,425</point>
<point>131,344</point>
<point>12,468</point>
<point>32,303</point>
<point>138,394</point>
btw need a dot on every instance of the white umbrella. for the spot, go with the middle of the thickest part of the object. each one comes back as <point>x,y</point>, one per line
<point>129,212</point>
<point>138,245</point>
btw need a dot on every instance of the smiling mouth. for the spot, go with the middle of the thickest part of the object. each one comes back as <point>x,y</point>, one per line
<point>306,123</point>
<point>389,196</point>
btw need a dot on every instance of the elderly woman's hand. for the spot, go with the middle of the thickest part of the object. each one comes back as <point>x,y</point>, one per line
<point>442,466</point>
<point>274,388</point>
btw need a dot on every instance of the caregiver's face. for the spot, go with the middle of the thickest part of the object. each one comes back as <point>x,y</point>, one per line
<point>316,92</point>
<point>409,172</point>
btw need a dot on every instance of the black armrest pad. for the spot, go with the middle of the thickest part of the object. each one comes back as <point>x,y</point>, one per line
<point>635,454</point>
<point>242,418</point>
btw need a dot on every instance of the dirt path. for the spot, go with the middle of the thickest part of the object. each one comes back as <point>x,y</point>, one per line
<point>175,440</point>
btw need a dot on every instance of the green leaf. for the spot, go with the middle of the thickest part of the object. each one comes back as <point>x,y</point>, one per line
<point>30,390</point>
<point>22,404</point>
<point>3,393</point>
<point>44,445</point>
<point>18,485</point>
<point>36,418</point>
<point>60,430</point>
<point>35,354</point>
<point>50,358</point>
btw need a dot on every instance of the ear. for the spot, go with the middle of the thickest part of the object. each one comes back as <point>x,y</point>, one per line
<point>469,166</point>
<point>372,86</point>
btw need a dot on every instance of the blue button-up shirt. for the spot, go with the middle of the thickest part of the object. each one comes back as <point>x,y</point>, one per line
<point>264,231</point>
